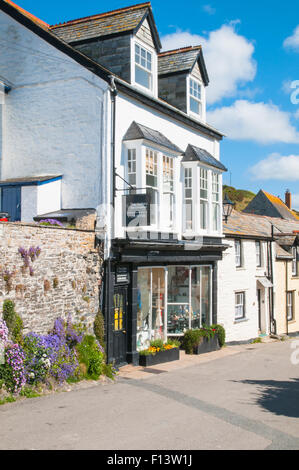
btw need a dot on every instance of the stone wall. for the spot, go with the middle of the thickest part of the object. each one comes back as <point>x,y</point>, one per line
<point>64,279</point>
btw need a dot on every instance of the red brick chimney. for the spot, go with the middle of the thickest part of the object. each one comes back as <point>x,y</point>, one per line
<point>288,199</point>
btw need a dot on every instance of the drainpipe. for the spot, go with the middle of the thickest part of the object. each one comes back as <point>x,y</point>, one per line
<point>286,300</point>
<point>109,286</point>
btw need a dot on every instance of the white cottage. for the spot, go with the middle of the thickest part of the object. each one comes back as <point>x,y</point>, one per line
<point>93,106</point>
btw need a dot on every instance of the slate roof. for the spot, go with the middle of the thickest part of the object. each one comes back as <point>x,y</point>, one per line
<point>113,22</point>
<point>266,204</point>
<point>180,60</point>
<point>194,154</point>
<point>254,226</point>
<point>137,131</point>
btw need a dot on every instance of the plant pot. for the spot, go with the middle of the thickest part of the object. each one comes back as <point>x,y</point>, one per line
<point>160,357</point>
<point>207,345</point>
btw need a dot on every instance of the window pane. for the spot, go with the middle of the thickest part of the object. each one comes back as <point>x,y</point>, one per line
<point>143,77</point>
<point>177,319</point>
<point>143,308</point>
<point>196,320</point>
<point>205,293</point>
<point>203,215</point>
<point>194,106</point>
<point>178,284</point>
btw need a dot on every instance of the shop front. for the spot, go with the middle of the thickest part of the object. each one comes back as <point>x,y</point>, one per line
<point>158,293</point>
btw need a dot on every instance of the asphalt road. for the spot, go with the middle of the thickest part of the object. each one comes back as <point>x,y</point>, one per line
<point>249,400</point>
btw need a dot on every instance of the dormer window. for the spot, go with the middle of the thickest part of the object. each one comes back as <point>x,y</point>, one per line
<point>195,97</point>
<point>143,67</point>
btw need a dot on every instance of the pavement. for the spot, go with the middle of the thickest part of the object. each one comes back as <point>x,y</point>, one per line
<point>241,397</point>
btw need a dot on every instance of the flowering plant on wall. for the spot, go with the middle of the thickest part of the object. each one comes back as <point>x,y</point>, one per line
<point>50,222</point>
<point>29,255</point>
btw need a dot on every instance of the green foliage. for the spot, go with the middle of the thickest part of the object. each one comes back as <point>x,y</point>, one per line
<point>29,392</point>
<point>9,399</point>
<point>109,371</point>
<point>99,328</point>
<point>221,334</point>
<point>13,321</point>
<point>90,356</point>
<point>192,338</point>
<point>6,377</point>
<point>256,340</point>
<point>157,343</point>
<point>174,342</point>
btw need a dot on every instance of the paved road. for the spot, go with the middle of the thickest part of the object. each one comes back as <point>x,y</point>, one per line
<point>249,400</point>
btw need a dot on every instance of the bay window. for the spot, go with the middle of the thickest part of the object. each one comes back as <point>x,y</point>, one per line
<point>151,181</point>
<point>172,299</point>
<point>143,67</point>
<point>132,167</point>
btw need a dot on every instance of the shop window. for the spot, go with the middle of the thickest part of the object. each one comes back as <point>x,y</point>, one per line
<point>171,300</point>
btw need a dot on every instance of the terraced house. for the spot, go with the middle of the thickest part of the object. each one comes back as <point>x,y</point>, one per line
<point>95,116</point>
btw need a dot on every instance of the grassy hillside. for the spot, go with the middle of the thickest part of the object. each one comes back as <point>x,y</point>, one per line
<point>241,197</point>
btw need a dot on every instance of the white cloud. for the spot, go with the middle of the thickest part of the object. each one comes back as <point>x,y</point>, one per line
<point>261,122</point>
<point>296,115</point>
<point>228,56</point>
<point>209,9</point>
<point>277,167</point>
<point>292,42</point>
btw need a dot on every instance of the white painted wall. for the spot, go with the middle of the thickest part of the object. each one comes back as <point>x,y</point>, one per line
<point>49,197</point>
<point>232,279</point>
<point>53,116</point>
<point>129,110</point>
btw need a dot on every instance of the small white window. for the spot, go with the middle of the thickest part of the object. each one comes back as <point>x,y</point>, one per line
<point>143,67</point>
<point>195,97</point>
<point>258,253</point>
<point>239,305</point>
<point>290,306</point>
<point>294,261</point>
<point>238,253</point>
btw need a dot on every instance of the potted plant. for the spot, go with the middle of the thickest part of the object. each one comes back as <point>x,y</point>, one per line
<point>204,339</point>
<point>159,352</point>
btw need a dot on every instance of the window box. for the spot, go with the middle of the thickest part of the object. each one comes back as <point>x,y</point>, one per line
<point>160,357</point>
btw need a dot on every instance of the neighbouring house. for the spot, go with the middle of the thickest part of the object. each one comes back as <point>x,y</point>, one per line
<point>271,206</point>
<point>96,117</point>
<point>258,283</point>
<point>245,281</point>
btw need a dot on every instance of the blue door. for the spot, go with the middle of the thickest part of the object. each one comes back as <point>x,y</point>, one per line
<point>11,202</point>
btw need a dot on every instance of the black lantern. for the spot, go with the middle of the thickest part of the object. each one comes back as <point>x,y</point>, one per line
<point>227,207</point>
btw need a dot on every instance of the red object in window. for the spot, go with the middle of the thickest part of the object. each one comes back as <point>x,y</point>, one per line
<point>4,220</point>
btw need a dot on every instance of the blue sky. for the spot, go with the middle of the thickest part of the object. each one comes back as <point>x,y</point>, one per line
<point>252,54</point>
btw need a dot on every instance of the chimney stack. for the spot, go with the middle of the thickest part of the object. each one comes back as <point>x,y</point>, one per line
<point>288,199</point>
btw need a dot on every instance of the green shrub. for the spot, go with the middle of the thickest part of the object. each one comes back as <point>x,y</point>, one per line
<point>99,328</point>
<point>13,321</point>
<point>221,334</point>
<point>157,343</point>
<point>191,339</point>
<point>91,358</point>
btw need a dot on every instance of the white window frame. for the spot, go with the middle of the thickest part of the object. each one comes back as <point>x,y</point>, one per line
<point>188,200</point>
<point>238,253</point>
<point>154,62</point>
<point>216,201</point>
<point>142,150</point>
<point>294,261</point>
<point>290,305</point>
<point>190,96</point>
<point>258,254</point>
<point>240,306</point>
